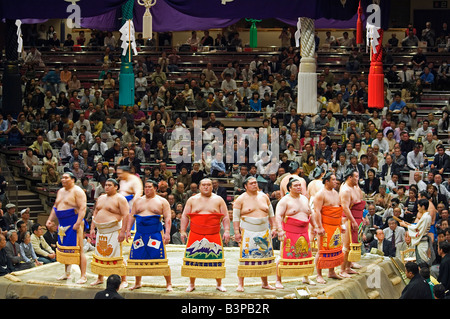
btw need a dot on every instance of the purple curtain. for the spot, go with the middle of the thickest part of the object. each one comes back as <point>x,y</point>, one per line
<point>53,9</point>
<point>323,23</point>
<point>165,18</point>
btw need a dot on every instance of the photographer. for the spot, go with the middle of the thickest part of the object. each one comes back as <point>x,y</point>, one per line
<point>15,134</point>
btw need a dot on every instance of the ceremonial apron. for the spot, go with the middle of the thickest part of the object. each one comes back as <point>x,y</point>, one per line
<point>330,244</point>
<point>107,258</point>
<point>256,258</point>
<point>67,248</point>
<point>148,252</point>
<point>204,256</point>
<point>357,210</point>
<point>296,256</point>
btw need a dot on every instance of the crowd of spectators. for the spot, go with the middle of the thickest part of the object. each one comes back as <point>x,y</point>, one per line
<point>400,156</point>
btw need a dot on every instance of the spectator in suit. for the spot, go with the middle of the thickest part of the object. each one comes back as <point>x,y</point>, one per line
<point>444,268</point>
<point>388,168</point>
<point>6,265</point>
<point>417,287</point>
<point>219,190</point>
<point>373,222</point>
<point>371,183</point>
<point>381,244</point>
<point>441,162</point>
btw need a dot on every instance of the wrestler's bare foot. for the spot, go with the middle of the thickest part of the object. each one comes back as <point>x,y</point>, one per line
<point>190,288</point>
<point>240,288</point>
<point>137,286</point>
<point>221,288</point>
<point>335,276</point>
<point>308,281</point>
<point>269,287</point>
<point>97,282</point>
<point>279,285</point>
<point>169,288</point>
<point>344,274</point>
<point>351,271</point>
<point>123,285</point>
<point>321,280</point>
<point>64,277</point>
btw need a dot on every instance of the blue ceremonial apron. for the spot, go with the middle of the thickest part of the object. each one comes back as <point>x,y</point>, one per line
<point>67,236</point>
<point>129,198</point>
<point>148,240</point>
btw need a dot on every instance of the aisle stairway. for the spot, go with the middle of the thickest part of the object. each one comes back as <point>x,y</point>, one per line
<point>26,198</point>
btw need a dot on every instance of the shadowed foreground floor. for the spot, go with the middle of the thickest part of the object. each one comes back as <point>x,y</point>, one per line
<point>378,279</point>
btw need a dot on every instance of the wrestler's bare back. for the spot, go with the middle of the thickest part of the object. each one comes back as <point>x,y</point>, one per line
<point>69,198</point>
<point>354,194</point>
<point>314,187</point>
<point>130,186</point>
<point>253,205</point>
<point>285,181</point>
<point>109,208</point>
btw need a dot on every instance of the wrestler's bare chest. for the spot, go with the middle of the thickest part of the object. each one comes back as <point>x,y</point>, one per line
<point>147,207</point>
<point>254,206</point>
<point>330,198</point>
<point>202,204</point>
<point>108,206</point>
<point>298,208</point>
<point>66,199</point>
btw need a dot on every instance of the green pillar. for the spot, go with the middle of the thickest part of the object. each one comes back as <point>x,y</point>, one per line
<point>126,81</point>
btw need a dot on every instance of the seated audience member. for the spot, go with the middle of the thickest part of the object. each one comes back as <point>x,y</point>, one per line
<point>43,250</point>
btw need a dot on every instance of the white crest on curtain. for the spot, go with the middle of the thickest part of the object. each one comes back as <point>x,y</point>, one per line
<point>297,33</point>
<point>19,36</point>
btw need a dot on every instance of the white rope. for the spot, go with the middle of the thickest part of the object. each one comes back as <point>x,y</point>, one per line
<point>307,41</point>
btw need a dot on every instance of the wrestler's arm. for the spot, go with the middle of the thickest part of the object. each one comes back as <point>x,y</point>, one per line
<point>167,215</point>
<point>304,188</point>
<point>124,212</point>
<point>138,188</point>
<point>279,215</point>
<point>81,200</point>
<point>316,214</point>
<point>184,219</point>
<point>271,216</point>
<point>130,219</point>
<point>345,202</point>
<point>237,206</point>
<point>94,214</point>
<point>225,221</point>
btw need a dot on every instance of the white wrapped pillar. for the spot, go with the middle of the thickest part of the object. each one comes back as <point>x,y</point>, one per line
<point>307,76</point>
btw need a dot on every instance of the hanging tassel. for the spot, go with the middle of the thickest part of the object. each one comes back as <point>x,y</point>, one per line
<point>147,19</point>
<point>253,33</point>
<point>359,26</point>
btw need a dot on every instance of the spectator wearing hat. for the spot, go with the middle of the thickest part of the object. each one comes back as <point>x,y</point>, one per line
<point>25,217</point>
<point>11,217</point>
